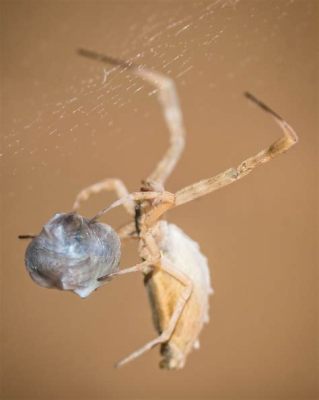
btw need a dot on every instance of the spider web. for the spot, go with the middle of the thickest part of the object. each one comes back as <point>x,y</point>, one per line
<point>170,38</point>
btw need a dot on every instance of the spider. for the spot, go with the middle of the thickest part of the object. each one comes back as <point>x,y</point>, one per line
<point>79,254</point>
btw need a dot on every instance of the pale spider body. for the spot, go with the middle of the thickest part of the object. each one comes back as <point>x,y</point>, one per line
<point>184,254</point>
<point>175,271</point>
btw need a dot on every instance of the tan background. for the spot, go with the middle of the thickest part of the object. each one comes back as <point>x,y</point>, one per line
<point>259,234</point>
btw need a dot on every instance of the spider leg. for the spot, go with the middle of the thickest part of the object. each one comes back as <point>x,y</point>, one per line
<point>179,307</point>
<point>144,267</point>
<point>109,184</point>
<point>231,175</point>
<point>158,197</point>
<point>168,98</point>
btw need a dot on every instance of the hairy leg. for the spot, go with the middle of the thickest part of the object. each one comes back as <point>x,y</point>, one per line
<point>158,198</point>
<point>168,98</point>
<point>231,175</point>
<point>179,307</point>
<point>143,267</point>
<point>109,184</point>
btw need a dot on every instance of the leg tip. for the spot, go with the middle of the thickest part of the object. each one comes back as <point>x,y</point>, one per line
<point>104,58</point>
<point>262,105</point>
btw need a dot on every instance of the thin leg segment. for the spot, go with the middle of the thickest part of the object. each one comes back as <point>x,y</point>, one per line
<point>144,267</point>
<point>169,101</point>
<point>109,184</point>
<point>157,197</point>
<point>179,307</point>
<point>231,175</point>
<point>168,98</point>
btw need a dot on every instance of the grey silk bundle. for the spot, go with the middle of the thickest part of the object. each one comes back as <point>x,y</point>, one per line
<point>72,252</point>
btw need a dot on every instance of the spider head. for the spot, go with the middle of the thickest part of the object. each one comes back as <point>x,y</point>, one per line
<point>72,252</point>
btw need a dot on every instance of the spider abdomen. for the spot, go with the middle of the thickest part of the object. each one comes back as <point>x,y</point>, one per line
<point>183,254</point>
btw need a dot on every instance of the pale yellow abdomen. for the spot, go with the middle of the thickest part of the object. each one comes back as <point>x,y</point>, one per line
<point>184,254</point>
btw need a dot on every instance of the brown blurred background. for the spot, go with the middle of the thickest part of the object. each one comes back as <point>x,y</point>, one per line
<point>67,123</point>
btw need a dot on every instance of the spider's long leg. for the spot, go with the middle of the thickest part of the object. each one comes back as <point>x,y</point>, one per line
<point>179,307</point>
<point>168,98</point>
<point>231,175</point>
<point>141,267</point>
<point>110,184</point>
<point>158,197</point>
